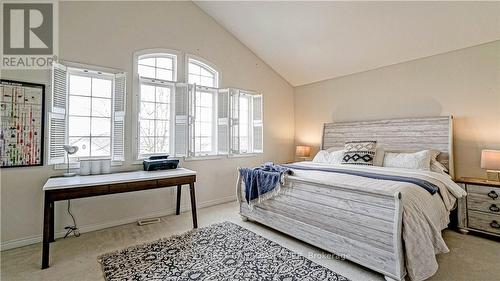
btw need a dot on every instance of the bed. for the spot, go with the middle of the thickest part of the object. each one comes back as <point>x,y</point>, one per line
<point>390,227</point>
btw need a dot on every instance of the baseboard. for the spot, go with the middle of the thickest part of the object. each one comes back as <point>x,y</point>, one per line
<point>11,244</point>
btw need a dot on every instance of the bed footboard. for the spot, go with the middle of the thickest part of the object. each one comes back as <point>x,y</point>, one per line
<point>362,226</point>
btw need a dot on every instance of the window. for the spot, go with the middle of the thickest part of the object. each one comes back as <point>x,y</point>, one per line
<point>204,102</point>
<point>246,124</point>
<point>204,141</point>
<point>88,111</point>
<point>157,74</point>
<point>89,118</point>
<point>185,114</point>
<point>201,74</point>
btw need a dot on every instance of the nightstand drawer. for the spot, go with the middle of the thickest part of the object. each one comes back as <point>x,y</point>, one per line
<point>485,222</point>
<point>479,203</point>
<point>484,192</point>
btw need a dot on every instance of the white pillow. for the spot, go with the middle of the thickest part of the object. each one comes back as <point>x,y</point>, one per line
<point>419,160</point>
<point>336,156</point>
<point>436,166</point>
<point>322,156</point>
<point>330,157</point>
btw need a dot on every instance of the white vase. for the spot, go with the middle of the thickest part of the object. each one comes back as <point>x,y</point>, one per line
<point>105,166</point>
<point>85,167</point>
<point>95,168</point>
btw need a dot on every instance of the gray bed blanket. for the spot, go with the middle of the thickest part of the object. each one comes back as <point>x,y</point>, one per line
<point>430,187</point>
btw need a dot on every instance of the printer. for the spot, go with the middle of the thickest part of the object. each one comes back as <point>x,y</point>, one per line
<point>160,162</point>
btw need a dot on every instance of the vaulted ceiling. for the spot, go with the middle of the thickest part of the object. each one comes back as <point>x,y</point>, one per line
<point>307,42</point>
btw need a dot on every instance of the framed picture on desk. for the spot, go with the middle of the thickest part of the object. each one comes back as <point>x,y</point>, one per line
<point>22,121</point>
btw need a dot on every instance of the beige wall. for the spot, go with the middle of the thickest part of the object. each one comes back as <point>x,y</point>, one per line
<point>463,83</point>
<point>107,34</point>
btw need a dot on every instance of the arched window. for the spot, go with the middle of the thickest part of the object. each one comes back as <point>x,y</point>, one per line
<point>202,74</point>
<point>157,73</point>
<point>205,78</point>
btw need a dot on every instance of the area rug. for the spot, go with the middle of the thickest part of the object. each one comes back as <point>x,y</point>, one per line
<point>223,251</point>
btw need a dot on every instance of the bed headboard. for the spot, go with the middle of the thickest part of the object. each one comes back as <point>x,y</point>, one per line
<point>410,134</point>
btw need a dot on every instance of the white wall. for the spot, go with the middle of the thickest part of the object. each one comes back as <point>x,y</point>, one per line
<point>463,83</point>
<point>107,34</point>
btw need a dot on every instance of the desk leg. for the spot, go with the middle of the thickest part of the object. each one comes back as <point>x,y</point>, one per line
<point>193,205</point>
<point>178,205</point>
<point>52,221</point>
<point>47,225</point>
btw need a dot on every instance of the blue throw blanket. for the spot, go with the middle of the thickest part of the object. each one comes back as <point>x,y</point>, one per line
<point>430,187</point>
<point>261,180</point>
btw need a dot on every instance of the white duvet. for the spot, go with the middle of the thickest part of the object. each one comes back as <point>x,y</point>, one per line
<point>424,215</point>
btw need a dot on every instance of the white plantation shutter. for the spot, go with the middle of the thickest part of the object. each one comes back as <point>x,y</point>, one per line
<point>191,119</point>
<point>57,114</point>
<point>119,101</point>
<point>234,99</point>
<point>181,106</point>
<point>257,124</point>
<point>223,121</point>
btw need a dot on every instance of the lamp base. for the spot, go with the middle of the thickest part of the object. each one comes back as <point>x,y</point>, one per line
<point>493,175</point>
<point>69,174</point>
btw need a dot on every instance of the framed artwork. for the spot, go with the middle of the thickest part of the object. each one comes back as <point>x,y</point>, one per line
<point>21,123</point>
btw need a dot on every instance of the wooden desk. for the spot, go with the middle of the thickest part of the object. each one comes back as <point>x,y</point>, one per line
<point>57,189</point>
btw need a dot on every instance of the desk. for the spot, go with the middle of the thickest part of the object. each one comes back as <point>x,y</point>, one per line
<point>57,189</point>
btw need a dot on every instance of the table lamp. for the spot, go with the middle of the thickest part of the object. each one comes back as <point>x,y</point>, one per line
<point>490,160</point>
<point>303,152</point>
<point>69,151</point>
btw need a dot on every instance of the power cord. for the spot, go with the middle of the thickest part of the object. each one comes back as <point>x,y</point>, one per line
<point>72,228</point>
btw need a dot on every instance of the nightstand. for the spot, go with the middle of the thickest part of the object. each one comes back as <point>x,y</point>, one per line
<point>479,211</point>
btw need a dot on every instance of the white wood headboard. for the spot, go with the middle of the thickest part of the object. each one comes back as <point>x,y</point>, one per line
<point>410,134</point>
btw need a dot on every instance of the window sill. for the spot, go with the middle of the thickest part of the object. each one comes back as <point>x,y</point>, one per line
<point>200,158</point>
<point>244,155</point>
<point>76,165</point>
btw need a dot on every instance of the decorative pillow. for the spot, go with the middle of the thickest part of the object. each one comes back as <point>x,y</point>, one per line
<point>359,152</point>
<point>436,166</point>
<point>379,156</point>
<point>419,160</point>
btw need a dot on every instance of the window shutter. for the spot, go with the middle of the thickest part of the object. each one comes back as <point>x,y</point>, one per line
<point>223,121</point>
<point>234,121</point>
<point>257,124</point>
<point>181,108</point>
<point>119,101</point>
<point>57,115</point>
<point>191,119</point>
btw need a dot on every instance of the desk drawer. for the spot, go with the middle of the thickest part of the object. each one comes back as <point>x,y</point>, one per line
<point>132,186</point>
<point>79,192</point>
<point>479,203</point>
<point>484,221</point>
<point>176,181</point>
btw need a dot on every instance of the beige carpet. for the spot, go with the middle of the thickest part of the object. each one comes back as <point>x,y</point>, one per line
<point>472,258</point>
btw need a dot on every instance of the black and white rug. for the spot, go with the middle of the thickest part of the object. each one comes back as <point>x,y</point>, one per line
<point>223,251</point>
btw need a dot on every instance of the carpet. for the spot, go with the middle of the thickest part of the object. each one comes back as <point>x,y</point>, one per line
<point>223,251</point>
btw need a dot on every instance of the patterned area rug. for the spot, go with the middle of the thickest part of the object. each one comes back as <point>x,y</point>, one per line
<point>223,251</point>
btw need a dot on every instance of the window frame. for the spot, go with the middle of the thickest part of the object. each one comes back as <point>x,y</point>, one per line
<point>201,62</point>
<point>98,75</point>
<point>136,102</point>
<point>92,70</point>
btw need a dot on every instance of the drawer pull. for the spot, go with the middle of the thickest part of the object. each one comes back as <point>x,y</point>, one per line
<point>495,224</point>
<point>494,208</point>
<point>492,194</point>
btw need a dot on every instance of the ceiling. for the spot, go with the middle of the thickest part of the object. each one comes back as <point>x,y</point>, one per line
<point>307,42</point>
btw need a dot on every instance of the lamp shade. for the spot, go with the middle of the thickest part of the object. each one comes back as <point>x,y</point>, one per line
<point>303,151</point>
<point>490,160</point>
